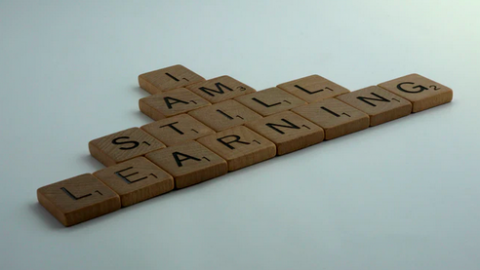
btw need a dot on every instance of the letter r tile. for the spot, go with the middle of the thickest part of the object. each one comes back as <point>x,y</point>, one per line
<point>136,180</point>
<point>240,146</point>
<point>189,163</point>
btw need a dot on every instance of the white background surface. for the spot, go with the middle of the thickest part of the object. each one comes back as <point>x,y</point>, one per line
<point>403,195</point>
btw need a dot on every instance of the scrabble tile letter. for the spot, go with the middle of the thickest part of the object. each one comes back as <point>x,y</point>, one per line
<point>225,115</point>
<point>240,146</point>
<point>178,129</point>
<point>335,117</point>
<point>270,101</point>
<point>167,79</point>
<point>382,106</point>
<point>172,103</point>
<point>220,89</point>
<point>313,88</point>
<point>136,180</point>
<point>422,92</point>
<point>189,163</point>
<point>78,199</point>
<point>123,145</point>
<point>289,131</point>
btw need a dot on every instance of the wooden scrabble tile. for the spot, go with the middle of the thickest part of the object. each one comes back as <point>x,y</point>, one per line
<point>177,129</point>
<point>189,163</point>
<point>422,92</point>
<point>270,101</point>
<point>123,145</point>
<point>240,146</point>
<point>136,180</point>
<point>220,89</point>
<point>78,199</point>
<point>225,115</point>
<point>289,131</point>
<point>382,106</point>
<point>167,79</point>
<point>313,88</point>
<point>171,103</point>
<point>335,117</point>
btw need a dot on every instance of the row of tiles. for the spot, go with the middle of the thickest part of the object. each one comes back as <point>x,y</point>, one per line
<point>423,93</point>
<point>131,179</point>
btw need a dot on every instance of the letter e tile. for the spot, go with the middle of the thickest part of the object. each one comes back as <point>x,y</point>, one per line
<point>136,180</point>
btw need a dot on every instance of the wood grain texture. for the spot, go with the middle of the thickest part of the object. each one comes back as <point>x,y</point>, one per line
<point>240,146</point>
<point>270,101</point>
<point>423,93</point>
<point>78,199</point>
<point>225,115</point>
<point>220,89</point>
<point>167,79</point>
<point>136,180</point>
<point>289,131</point>
<point>335,117</point>
<point>123,145</point>
<point>189,163</point>
<point>381,105</point>
<point>171,103</point>
<point>177,129</point>
<point>313,88</point>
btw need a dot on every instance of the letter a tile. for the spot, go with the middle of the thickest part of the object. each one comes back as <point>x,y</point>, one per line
<point>335,117</point>
<point>220,89</point>
<point>240,146</point>
<point>167,79</point>
<point>172,103</point>
<point>136,180</point>
<point>289,131</point>
<point>270,101</point>
<point>177,129</point>
<point>189,163</point>
<point>422,92</point>
<point>382,106</point>
<point>123,145</point>
<point>313,88</point>
<point>78,199</point>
